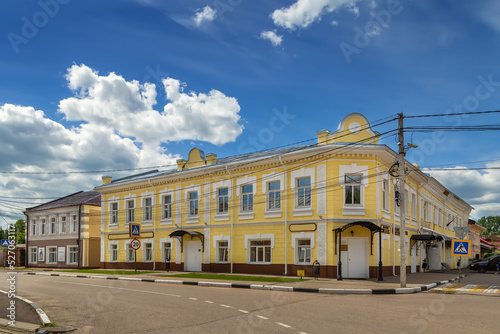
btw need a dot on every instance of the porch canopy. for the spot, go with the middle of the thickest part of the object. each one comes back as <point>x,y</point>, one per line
<point>374,228</point>
<point>180,233</point>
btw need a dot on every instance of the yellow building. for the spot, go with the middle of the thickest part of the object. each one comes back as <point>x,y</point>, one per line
<point>278,211</point>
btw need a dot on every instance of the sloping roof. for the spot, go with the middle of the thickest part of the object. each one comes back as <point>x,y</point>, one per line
<point>79,198</point>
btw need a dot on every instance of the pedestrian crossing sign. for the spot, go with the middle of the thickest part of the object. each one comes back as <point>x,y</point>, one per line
<point>135,230</point>
<point>460,248</point>
<point>5,243</point>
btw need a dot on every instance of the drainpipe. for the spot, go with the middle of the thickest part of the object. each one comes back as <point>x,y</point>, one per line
<point>79,240</point>
<point>154,226</point>
<point>26,234</point>
<point>232,217</point>
<point>286,218</point>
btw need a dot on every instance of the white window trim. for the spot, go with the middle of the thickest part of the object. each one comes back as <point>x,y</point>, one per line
<point>191,219</point>
<point>302,236</point>
<point>171,193</point>
<point>300,174</point>
<point>223,215</point>
<point>266,179</point>
<point>126,244</point>
<point>218,238</point>
<point>387,212</point>
<point>414,206</point>
<point>354,209</point>
<point>164,241</point>
<point>47,254</point>
<point>44,219</point>
<point>68,257</point>
<point>110,211</point>
<point>61,224</point>
<point>143,246</point>
<point>258,237</point>
<point>246,180</point>
<point>117,243</point>
<point>126,199</point>
<point>33,228</point>
<point>50,225</point>
<point>71,223</point>
<point>29,254</point>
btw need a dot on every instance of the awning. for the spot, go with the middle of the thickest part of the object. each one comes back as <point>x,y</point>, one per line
<point>369,225</point>
<point>426,237</point>
<point>180,233</point>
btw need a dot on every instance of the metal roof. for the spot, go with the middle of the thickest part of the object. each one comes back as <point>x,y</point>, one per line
<point>79,198</point>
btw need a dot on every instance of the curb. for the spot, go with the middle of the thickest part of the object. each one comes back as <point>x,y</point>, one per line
<point>41,314</point>
<point>266,287</point>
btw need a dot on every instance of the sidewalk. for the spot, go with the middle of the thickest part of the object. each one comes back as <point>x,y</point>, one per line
<point>416,282</point>
<point>26,318</point>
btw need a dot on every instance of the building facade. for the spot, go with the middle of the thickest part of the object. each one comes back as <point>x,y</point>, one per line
<point>64,233</point>
<point>278,211</point>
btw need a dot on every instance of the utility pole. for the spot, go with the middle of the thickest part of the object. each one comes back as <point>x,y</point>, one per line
<point>402,201</point>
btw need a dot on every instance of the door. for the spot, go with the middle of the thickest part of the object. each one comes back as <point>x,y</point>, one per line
<point>413,259</point>
<point>192,256</point>
<point>435,257</point>
<point>355,259</point>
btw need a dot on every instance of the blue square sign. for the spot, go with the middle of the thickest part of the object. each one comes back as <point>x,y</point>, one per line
<point>135,230</point>
<point>460,247</point>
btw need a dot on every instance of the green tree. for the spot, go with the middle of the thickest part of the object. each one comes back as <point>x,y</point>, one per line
<point>20,231</point>
<point>492,224</point>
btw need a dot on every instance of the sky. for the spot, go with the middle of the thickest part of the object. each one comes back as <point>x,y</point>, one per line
<point>125,84</point>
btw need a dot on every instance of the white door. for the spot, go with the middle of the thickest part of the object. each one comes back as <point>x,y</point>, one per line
<point>355,260</point>
<point>435,257</point>
<point>192,256</point>
<point>413,259</point>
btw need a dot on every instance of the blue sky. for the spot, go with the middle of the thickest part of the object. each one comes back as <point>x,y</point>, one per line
<point>79,81</point>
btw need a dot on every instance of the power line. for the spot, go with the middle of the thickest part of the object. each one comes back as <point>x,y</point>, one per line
<point>454,114</point>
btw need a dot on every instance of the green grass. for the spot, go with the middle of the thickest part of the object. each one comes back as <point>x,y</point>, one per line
<point>238,278</point>
<point>101,271</point>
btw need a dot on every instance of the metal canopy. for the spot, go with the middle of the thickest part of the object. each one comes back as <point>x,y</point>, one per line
<point>180,233</point>
<point>426,237</point>
<point>373,229</point>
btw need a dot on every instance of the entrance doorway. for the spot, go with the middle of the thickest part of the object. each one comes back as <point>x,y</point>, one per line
<point>192,255</point>
<point>355,259</point>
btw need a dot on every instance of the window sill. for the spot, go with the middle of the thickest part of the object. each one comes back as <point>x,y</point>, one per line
<point>259,263</point>
<point>272,214</point>
<point>167,221</point>
<point>307,211</point>
<point>192,220</point>
<point>353,211</point>
<point>221,217</point>
<point>113,227</point>
<point>246,215</point>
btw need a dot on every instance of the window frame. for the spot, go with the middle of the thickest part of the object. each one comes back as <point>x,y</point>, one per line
<point>113,213</point>
<point>129,251</point>
<point>273,196</point>
<point>247,203</point>
<point>350,184</point>
<point>30,258</point>
<point>147,210</point>
<point>113,253</point>
<point>130,211</point>
<point>52,225</point>
<point>145,257</point>
<point>62,225</point>
<point>225,248</point>
<point>166,207</point>
<point>192,204</point>
<point>72,253</point>
<point>73,225</point>
<point>33,227</point>
<point>164,253</point>
<point>49,253</point>
<point>224,203</point>
<point>299,253</point>
<point>43,222</point>
<point>262,247</point>
<point>385,195</point>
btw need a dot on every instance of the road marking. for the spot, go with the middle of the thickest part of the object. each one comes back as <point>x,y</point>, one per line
<point>262,317</point>
<point>209,302</point>
<point>226,306</point>
<point>479,288</point>
<point>454,286</point>
<point>243,311</point>
<point>115,287</point>
<point>284,325</point>
<point>467,287</point>
<point>192,298</point>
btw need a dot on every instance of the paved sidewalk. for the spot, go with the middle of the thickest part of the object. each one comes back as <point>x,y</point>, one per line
<point>26,318</point>
<point>416,282</point>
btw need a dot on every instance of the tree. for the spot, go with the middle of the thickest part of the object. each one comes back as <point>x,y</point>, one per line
<point>20,227</point>
<point>492,224</point>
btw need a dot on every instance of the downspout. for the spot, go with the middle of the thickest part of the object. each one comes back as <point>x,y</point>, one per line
<point>286,218</point>
<point>26,233</point>
<point>232,218</point>
<point>154,226</point>
<point>79,240</point>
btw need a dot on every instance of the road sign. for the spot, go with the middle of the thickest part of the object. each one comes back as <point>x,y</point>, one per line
<point>4,243</point>
<point>135,244</point>
<point>461,231</point>
<point>135,230</point>
<point>460,248</point>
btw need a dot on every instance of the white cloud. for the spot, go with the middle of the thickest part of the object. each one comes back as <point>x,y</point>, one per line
<point>351,7</point>
<point>207,14</point>
<point>481,189</point>
<point>304,12</point>
<point>272,37</point>
<point>119,129</point>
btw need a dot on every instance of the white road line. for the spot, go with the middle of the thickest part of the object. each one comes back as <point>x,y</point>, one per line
<point>226,306</point>
<point>115,287</point>
<point>284,325</point>
<point>209,302</point>
<point>262,317</point>
<point>192,298</point>
<point>243,311</point>
<point>467,287</point>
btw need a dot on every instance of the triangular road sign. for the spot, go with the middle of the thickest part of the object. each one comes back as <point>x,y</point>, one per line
<point>5,243</point>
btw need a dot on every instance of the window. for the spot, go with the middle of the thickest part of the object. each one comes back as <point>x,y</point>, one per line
<point>73,255</point>
<point>130,253</point>
<point>407,204</point>
<point>260,251</point>
<point>74,224</point>
<point>130,211</point>
<point>435,221</point>
<point>414,206</point>
<point>440,217</point>
<point>223,200</point>
<point>113,220</point>
<point>32,257</point>
<point>63,224</point>
<point>148,252</point>
<point>274,195</point>
<point>304,192</point>
<point>385,195</point>
<point>247,198</point>
<point>148,209</point>
<point>193,203</point>
<point>52,226</point>
<point>304,251</point>
<point>167,207</point>
<point>352,189</point>
<point>33,227</point>
<point>167,252</point>
<point>42,226</point>
<point>52,255</point>
<point>222,251</point>
<point>113,254</point>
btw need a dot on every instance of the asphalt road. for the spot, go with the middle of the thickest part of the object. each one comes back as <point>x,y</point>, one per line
<point>110,306</point>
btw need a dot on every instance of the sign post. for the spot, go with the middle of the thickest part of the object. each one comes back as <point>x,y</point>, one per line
<point>460,248</point>
<point>135,245</point>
